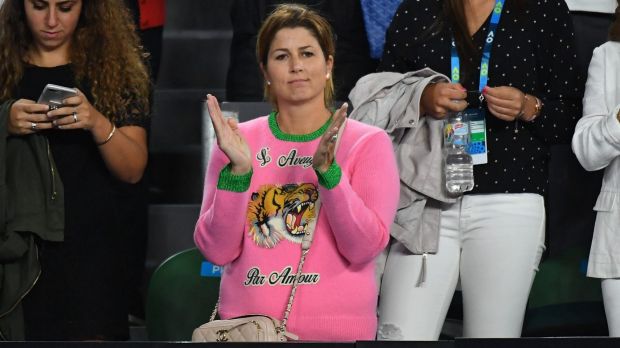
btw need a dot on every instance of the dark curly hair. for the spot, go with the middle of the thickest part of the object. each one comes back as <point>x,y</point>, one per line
<point>106,52</point>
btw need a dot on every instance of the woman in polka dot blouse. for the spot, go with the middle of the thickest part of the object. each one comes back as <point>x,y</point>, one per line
<point>595,143</point>
<point>493,237</point>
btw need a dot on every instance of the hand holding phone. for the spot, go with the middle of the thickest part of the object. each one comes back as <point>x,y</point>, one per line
<point>53,95</point>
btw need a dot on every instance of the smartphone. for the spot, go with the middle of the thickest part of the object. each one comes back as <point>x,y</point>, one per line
<point>53,95</point>
<point>474,99</point>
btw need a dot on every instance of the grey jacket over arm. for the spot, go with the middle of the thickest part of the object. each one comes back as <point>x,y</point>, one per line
<point>391,101</point>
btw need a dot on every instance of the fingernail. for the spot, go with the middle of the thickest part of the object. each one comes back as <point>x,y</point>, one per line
<point>345,105</point>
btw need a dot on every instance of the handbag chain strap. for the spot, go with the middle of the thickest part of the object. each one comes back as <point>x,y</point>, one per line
<point>289,305</point>
<point>305,248</point>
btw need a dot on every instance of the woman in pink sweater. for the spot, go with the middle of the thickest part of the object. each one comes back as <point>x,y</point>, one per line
<point>268,177</point>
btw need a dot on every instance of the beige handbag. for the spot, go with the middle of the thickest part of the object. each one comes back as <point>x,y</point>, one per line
<point>259,328</point>
<point>255,328</point>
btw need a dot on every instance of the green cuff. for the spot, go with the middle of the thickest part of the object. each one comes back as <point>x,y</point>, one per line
<point>331,177</point>
<point>232,182</point>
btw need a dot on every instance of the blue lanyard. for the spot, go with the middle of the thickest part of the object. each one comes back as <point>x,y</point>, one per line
<point>486,51</point>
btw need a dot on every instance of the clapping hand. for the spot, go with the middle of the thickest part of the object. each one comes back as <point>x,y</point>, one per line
<point>324,155</point>
<point>229,139</point>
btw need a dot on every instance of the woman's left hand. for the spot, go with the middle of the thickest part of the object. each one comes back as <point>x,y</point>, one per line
<point>76,113</point>
<point>504,102</point>
<point>324,155</point>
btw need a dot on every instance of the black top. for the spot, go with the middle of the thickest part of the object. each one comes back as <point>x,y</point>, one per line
<point>81,292</point>
<point>533,51</point>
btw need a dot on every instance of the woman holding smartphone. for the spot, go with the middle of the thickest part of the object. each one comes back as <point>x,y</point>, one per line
<point>98,140</point>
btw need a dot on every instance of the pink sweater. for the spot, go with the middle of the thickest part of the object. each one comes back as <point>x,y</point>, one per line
<point>256,233</point>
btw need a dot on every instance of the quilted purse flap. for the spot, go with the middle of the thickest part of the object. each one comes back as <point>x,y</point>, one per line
<point>256,328</point>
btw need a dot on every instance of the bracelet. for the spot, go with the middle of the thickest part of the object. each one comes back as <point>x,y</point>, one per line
<point>538,106</point>
<point>537,109</point>
<point>109,135</point>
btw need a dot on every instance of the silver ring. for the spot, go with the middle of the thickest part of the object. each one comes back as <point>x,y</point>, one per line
<point>33,126</point>
<point>75,119</point>
<point>334,138</point>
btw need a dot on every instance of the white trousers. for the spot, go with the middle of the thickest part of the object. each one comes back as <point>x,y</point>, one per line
<point>611,301</point>
<point>493,243</point>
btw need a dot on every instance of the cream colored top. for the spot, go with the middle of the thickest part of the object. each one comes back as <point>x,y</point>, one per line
<point>602,6</point>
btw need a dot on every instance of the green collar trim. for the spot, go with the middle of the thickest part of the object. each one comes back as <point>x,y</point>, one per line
<point>298,138</point>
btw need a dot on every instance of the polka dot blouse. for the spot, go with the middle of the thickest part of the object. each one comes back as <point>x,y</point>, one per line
<point>533,51</point>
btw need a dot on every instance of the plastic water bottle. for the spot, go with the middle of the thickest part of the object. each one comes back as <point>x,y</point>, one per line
<point>459,165</point>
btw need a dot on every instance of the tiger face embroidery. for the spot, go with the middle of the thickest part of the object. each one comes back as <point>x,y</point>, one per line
<point>278,212</point>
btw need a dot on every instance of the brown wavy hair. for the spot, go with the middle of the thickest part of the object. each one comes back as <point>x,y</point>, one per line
<point>105,54</point>
<point>614,29</point>
<point>295,16</point>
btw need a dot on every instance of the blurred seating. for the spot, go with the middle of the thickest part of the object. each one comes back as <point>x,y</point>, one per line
<point>180,297</point>
<point>171,228</point>
<point>563,301</point>
<point>194,61</point>
<point>248,110</point>
<point>195,54</point>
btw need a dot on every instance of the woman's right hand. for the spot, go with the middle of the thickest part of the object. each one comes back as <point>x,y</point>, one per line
<point>27,117</point>
<point>442,97</point>
<point>230,141</point>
